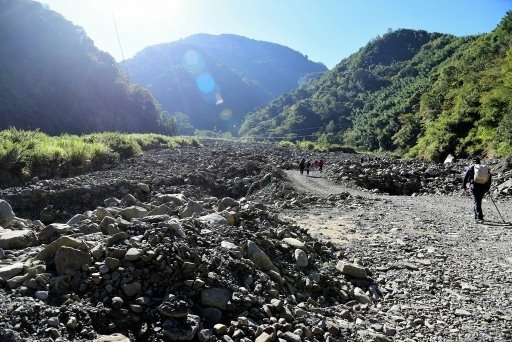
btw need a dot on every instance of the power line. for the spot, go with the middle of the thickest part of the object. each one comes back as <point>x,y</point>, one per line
<point>118,40</point>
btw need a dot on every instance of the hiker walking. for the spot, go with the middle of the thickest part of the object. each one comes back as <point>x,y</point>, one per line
<point>308,167</point>
<point>479,178</point>
<point>302,165</point>
<point>321,164</point>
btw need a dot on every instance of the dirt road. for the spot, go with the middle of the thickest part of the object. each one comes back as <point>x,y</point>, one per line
<point>450,277</point>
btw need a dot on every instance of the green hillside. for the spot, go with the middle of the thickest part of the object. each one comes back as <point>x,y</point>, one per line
<point>217,79</point>
<point>53,78</point>
<point>409,92</point>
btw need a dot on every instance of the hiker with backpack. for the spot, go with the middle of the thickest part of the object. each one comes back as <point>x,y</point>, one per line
<point>321,165</point>
<point>302,165</point>
<point>308,167</point>
<point>479,178</point>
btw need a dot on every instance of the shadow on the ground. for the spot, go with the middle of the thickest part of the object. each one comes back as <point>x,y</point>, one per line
<point>311,176</point>
<point>498,224</point>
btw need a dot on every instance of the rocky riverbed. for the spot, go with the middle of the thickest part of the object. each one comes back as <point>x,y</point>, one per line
<point>228,243</point>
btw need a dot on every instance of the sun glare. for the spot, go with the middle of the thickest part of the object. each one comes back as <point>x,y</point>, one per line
<point>136,11</point>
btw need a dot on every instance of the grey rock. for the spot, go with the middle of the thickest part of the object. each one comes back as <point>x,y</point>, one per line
<point>353,270</point>
<point>112,263</point>
<point>63,241</point>
<point>174,307</point>
<point>117,302</point>
<point>133,254</point>
<point>216,297</point>
<point>212,315</point>
<point>462,313</point>
<point>9,271</point>
<point>294,243</point>
<point>76,219</point>
<point>291,337</point>
<point>131,289</point>
<point>133,212</point>
<point>101,213</point>
<point>191,209</point>
<point>42,295</point>
<point>175,199</point>
<point>116,238</point>
<point>162,209</point>
<point>69,260</point>
<point>227,203</point>
<point>6,213</point>
<point>53,230</point>
<point>361,296</point>
<point>173,225</point>
<point>259,257</point>
<point>213,219</point>
<point>301,258</point>
<point>181,330</point>
<point>17,239</point>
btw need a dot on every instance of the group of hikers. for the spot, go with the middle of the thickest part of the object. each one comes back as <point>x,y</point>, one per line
<point>303,165</point>
<point>477,176</point>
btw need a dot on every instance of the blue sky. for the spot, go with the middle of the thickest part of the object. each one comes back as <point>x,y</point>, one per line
<point>325,30</point>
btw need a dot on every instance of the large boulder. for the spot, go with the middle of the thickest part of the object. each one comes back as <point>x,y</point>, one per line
<point>9,271</point>
<point>17,239</point>
<point>53,230</point>
<point>216,297</point>
<point>228,203</point>
<point>259,257</point>
<point>69,260</point>
<point>6,213</point>
<point>133,212</point>
<point>353,270</point>
<point>52,248</point>
<point>191,209</point>
<point>214,219</point>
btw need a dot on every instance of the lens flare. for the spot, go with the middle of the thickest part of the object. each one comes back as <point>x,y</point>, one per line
<point>226,114</point>
<point>193,62</point>
<point>205,82</point>
<point>218,99</point>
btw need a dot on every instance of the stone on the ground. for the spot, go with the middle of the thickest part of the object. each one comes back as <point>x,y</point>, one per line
<point>259,257</point>
<point>353,270</point>
<point>227,203</point>
<point>216,297</point>
<point>69,260</point>
<point>53,230</point>
<point>191,209</point>
<point>133,212</point>
<point>17,239</point>
<point>133,254</point>
<point>213,219</point>
<point>9,271</point>
<point>301,258</point>
<point>52,247</point>
<point>6,213</point>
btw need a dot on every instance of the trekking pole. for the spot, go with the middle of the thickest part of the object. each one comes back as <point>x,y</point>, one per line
<point>492,200</point>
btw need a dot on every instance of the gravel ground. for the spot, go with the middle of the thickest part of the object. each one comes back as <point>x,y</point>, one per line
<point>424,271</point>
<point>443,277</point>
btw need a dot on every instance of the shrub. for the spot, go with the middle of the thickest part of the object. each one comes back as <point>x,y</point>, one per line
<point>285,144</point>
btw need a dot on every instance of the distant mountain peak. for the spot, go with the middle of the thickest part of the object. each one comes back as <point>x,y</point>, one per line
<point>243,73</point>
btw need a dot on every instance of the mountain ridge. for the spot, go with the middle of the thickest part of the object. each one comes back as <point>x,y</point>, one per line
<point>244,73</point>
<point>440,94</point>
<point>53,78</point>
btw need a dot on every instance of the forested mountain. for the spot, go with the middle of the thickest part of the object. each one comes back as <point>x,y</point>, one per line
<point>411,92</point>
<point>217,79</point>
<point>52,77</point>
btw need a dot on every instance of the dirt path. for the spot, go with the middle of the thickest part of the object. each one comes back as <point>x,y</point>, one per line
<point>431,259</point>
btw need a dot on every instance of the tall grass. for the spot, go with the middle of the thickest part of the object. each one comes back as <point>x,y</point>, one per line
<point>34,148</point>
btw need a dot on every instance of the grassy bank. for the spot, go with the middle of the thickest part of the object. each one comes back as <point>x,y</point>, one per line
<point>31,149</point>
<point>316,146</point>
